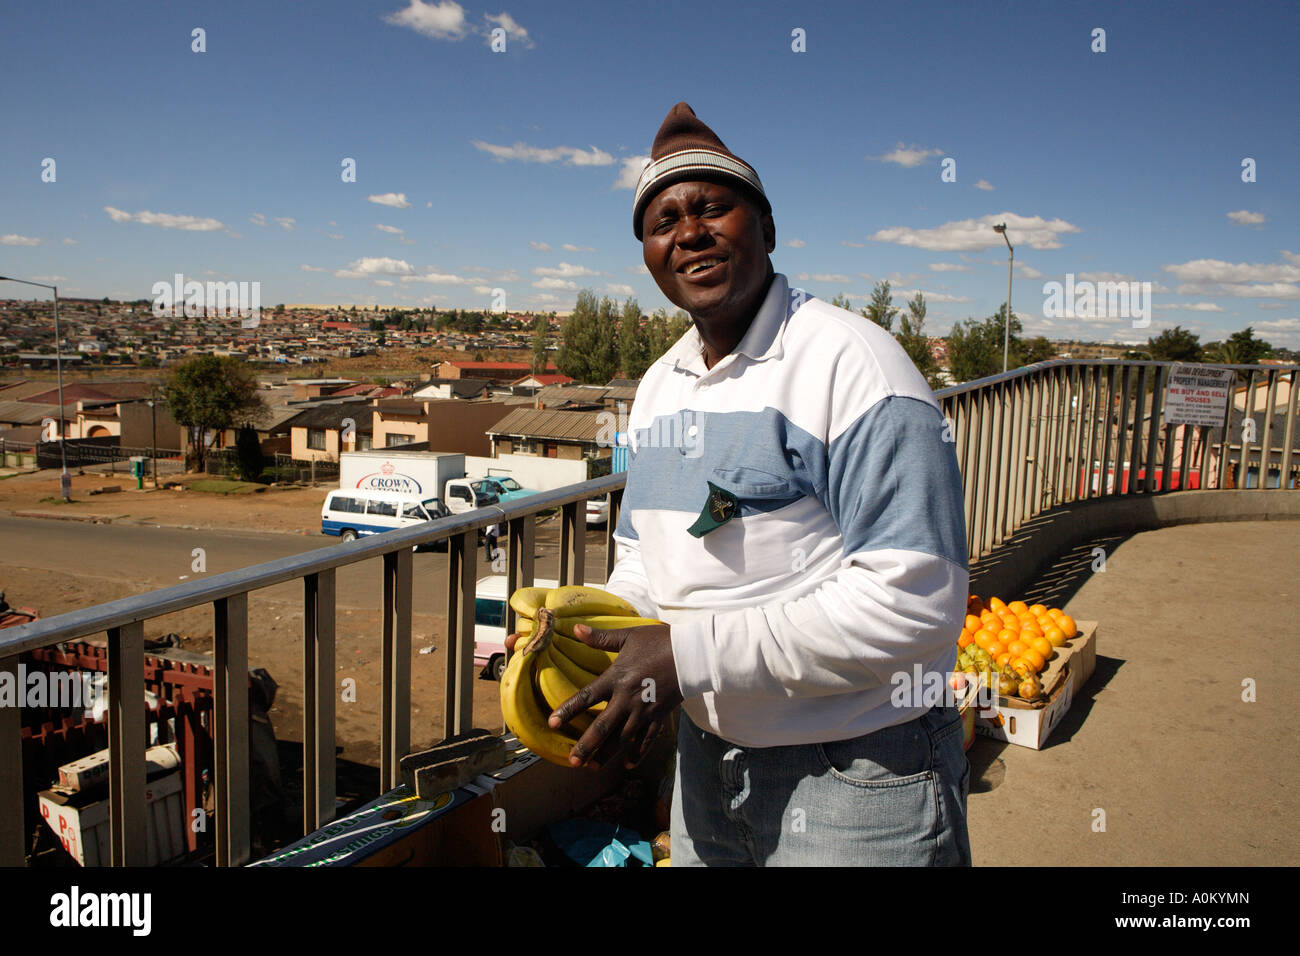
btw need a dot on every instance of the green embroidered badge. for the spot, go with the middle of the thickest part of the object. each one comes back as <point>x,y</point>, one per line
<point>720,508</point>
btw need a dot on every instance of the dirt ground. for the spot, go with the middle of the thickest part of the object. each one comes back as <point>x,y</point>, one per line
<point>287,509</point>
<point>275,627</point>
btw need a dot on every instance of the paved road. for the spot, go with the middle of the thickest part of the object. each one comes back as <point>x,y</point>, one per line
<point>152,557</point>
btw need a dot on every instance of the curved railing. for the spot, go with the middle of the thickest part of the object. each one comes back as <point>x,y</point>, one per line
<point>1027,441</point>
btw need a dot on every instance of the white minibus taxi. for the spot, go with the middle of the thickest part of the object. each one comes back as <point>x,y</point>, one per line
<point>350,513</point>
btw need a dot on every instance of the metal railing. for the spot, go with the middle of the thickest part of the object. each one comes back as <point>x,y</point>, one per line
<point>1026,441</point>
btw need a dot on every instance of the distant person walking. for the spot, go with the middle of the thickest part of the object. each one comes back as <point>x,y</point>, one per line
<point>490,540</point>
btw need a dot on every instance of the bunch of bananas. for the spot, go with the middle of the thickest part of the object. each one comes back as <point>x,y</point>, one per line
<point>549,665</point>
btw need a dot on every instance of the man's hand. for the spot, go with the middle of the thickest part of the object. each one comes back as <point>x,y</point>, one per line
<point>641,687</point>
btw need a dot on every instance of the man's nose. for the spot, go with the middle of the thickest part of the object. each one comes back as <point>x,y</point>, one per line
<point>691,231</point>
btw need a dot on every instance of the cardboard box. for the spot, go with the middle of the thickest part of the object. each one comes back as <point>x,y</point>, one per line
<point>1030,723</point>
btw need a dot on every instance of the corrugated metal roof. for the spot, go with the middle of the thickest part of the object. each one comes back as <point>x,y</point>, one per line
<point>31,413</point>
<point>549,423</point>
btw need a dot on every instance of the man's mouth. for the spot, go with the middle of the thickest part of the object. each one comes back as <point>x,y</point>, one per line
<point>702,266</point>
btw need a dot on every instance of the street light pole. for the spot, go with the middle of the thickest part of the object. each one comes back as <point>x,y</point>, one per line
<point>65,480</point>
<point>1006,335</point>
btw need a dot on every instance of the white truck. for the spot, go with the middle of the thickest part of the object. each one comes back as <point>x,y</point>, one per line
<point>418,474</point>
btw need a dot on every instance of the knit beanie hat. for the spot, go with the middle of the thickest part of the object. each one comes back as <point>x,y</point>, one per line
<point>686,149</point>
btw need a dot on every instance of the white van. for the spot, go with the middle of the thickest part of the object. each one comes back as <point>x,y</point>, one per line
<point>466,494</point>
<point>350,513</point>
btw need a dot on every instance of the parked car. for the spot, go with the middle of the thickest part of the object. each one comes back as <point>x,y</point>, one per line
<point>506,488</point>
<point>598,510</point>
<point>490,623</point>
<point>466,494</point>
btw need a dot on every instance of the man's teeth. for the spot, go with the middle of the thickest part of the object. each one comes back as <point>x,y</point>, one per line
<point>703,264</point>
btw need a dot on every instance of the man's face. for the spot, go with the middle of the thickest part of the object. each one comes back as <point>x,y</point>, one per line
<point>706,245</point>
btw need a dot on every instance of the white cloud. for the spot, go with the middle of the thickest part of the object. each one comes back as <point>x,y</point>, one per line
<point>286,223</point>
<point>618,288</point>
<point>1243,217</point>
<point>1027,272</point>
<point>539,246</point>
<point>553,283</point>
<point>389,229</point>
<point>440,278</point>
<point>69,242</point>
<point>909,156</point>
<point>631,171</point>
<point>1214,277</point>
<point>13,239</point>
<point>569,155</point>
<point>257,219</point>
<point>1191,306</point>
<point>396,200</point>
<point>795,243</point>
<point>375,266</point>
<point>387,283</point>
<point>852,245</point>
<point>930,297</point>
<point>975,234</point>
<point>1283,331</point>
<point>948,267</point>
<point>165,220</point>
<point>570,247</point>
<point>441,21</point>
<point>307,268</point>
<point>822,277</point>
<point>985,185</point>
<point>513,30</point>
<point>482,290</point>
<point>565,270</point>
<point>639,269</point>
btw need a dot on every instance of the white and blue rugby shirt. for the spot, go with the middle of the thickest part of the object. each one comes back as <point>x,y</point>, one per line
<point>845,562</point>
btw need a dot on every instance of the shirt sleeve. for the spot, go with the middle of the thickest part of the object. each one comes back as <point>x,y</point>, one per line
<point>893,489</point>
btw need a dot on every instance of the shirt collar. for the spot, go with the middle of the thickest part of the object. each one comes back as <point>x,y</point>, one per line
<point>761,341</point>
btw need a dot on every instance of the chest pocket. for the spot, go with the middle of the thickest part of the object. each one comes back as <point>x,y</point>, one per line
<point>757,491</point>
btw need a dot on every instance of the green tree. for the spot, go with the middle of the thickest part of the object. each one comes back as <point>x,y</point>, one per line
<point>1242,348</point>
<point>656,335</point>
<point>975,348</point>
<point>248,453</point>
<point>677,327</point>
<point>1175,345</point>
<point>540,329</point>
<point>1037,349</point>
<point>633,349</point>
<point>916,343</point>
<point>841,301</point>
<point>211,393</point>
<point>578,337</point>
<point>881,310</point>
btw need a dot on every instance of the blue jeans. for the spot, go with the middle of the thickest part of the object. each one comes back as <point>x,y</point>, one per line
<point>896,797</point>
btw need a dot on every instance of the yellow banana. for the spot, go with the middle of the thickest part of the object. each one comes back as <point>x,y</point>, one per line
<point>556,688</point>
<point>520,707</point>
<point>587,657</point>
<point>526,601</point>
<point>575,600</point>
<point>570,668</point>
<point>601,622</point>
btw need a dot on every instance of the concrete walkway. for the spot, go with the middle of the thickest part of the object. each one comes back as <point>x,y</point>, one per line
<point>1186,772</point>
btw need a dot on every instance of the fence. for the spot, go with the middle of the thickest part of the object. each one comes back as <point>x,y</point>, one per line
<point>278,467</point>
<point>1026,441</point>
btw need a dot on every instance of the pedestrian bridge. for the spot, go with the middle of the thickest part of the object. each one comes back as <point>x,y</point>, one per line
<point>1058,460</point>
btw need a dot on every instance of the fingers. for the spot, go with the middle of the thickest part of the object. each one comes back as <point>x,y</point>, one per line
<point>511,640</point>
<point>592,693</point>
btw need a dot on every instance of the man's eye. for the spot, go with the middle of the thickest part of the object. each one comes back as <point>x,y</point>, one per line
<point>716,209</point>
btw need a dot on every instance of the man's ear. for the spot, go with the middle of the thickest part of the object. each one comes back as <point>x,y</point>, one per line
<point>769,232</point>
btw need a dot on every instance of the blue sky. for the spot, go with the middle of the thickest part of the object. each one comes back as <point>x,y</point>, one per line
<point>478,170</point>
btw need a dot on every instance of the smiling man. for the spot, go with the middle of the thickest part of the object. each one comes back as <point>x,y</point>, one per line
<point>803,538</point>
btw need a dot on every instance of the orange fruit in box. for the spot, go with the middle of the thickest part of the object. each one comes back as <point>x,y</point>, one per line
<point>996,648</point>
<point>1038,610</point>
<point>1055,636</point>
<point>1043,646</point>
<point>1036,660</point>
<point>1001,659</point>
<point>1021,666</point>
<point>986,616</point>
<point>1068,626</point>
<point>966,638</point>
<point>1055,613</point>
<point>973,623</point>
<point>1017,608</point>
<point>997,604</point>
<point>1018,648</point>
<point>983,638</point>
<point>1006,635</point>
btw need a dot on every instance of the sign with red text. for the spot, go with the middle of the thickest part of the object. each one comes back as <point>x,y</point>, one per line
<point>1197,395</point>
